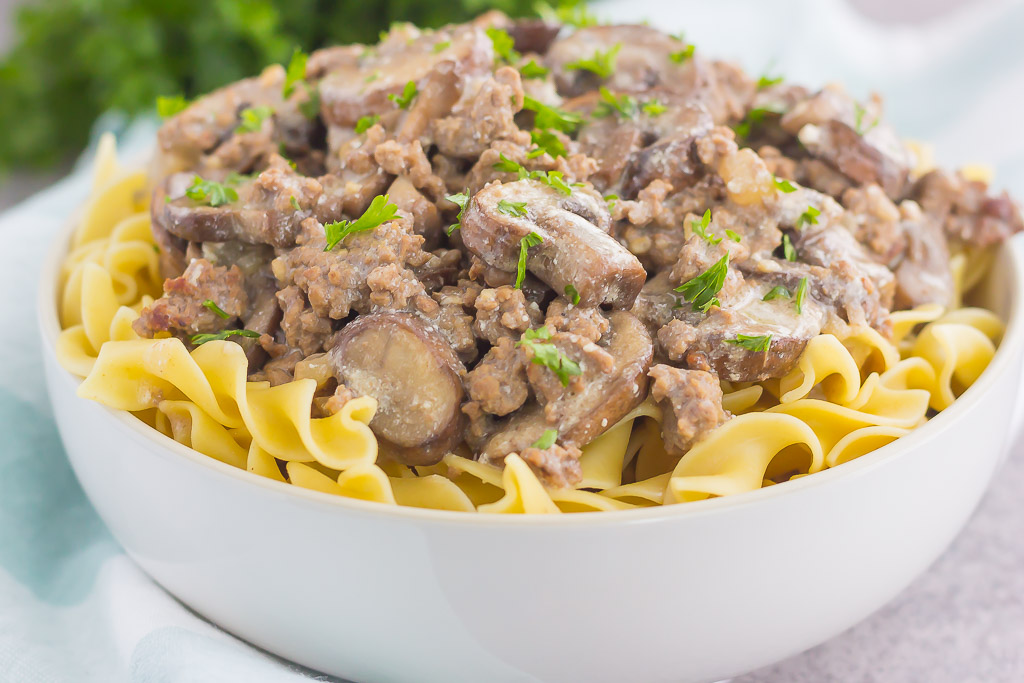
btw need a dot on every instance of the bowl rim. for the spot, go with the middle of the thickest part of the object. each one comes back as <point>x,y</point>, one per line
<point>165,447</point>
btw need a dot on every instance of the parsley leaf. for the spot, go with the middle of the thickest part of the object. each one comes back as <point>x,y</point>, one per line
<point>198,339</point>
<point>530,240</point>
<point>573,295</point>
<point>295,74</point>
<point>858,122</point>
<point>506,165</point>
<point>210,192</point>
<point>409,93</point>
<point>610,200</point>
<point>734,236</point>
<point>295,203</point>
<point>379,212</point>
<point>552,117</point>
<point>548,142</point>
<point>654,108</point>
<point>533,70</point>
<point>547,439</point>
<point>461,200</point>
<point>602,63</point>
<point>701,290</point>
<point>167,107</point>
<point>372,77</point>
<point>514,209</point>
<point>236,178</point>
<point>766,81</point>
<point>808,217</point>
<point>366,122</point>
<point>783,185</point>
<point>502,44</point>
<point>442,46</point>
<point>683,55</point>
<point>776,292</point>
<point>788,250</point>
<point>701,229</point>
<point>752,342</point>
<point>253,118</point>
<point>211,305</point>
<point>553,179</point>
<point>624,104</point>
<point>549,355</point>
<point>801,295</point>
<point>569,12</point>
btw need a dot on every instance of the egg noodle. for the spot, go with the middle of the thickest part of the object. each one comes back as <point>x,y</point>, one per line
<point>845,398</point>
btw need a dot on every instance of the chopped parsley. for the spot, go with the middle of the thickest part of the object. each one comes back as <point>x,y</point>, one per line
<point>366,122</point>
<point>602,63</point>
<point>701,229</point>
<point>777,292</point>
<point>610,200</point>
<point>409,93</point>
<point>626,105</point>
<point>503,44</point>
<point>295,203</point>
<point>533,70</point>
<point>514,209</point>
<point>752,342</point>
<point>549,355</point>
<point>295,74</point>
<point>546,440</point>
<point>801,295</point>
<point>211,305</point>
<point>210,192</point>
<point>783,185</point>
<point>236,178</point>
<point>530,240</point>
<point>734,236</point>
<point>372,77</point>
<point>553,179</point>
<point>701,290</point>
<point>167,107</point>
<point>788,250</point>
<point>572,294</point>
<point>442,46</point>
<point>858,119</point>
<point>767,81</point>
<point>506,165</point>
<point>654,108</point>
<point>568,12</point>
<point>461,200</point>
<point>682,55</point>
<point>808,217</point>
<point>552,117</point>
<point>754,117</point>
<point>198,339</point>
<point>379,212</point>
<point>253,118</point>
<point>547,142</point>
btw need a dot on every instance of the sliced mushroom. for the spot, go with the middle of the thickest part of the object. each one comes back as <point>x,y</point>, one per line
<point>416,378</point>
<point>575,248</point>
<point>923,276</point>
<point>533,35</point>
<point>592,406</point>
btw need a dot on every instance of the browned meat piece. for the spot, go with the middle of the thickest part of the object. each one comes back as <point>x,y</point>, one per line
<point>303,328</point>
<point>969,214</point>
<point>498,382</point>
<point>485,113</point>
<point>351,91</point>
<point>601,400</point>
<point>691,405</point>
<point>575,248</point>
<point>592,359</point>
<point>875,221</point>
<point>367,269</point>
<point>426,219</point>
<point>416,378</point>
<point>181,311</point>
<point>348,193</point>
<point>503,312</point>
<point>409,159</point>
<point>589,323</point>
<point>557,466</point>
<point>832,127</point>
<point>264,213</point>
<point>923,276</point>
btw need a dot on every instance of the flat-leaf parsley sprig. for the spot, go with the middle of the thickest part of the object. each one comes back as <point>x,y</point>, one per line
<point>550,356</point>
<point>701,291</point>
<point>379,212</point>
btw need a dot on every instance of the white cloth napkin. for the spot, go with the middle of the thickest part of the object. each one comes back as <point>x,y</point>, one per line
<point>74,608</point>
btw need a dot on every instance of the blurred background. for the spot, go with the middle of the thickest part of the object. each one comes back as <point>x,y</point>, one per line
<point>64,62</point>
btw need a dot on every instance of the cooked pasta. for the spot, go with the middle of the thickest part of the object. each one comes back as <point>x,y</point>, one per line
<point>845,397</point>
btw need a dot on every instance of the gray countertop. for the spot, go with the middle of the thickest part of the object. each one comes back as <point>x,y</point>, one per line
<point>961,622</point>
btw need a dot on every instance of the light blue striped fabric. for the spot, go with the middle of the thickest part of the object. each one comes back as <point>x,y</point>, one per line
<point>74,608</point>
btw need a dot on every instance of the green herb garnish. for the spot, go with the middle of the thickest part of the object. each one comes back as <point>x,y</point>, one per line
<point>572,294</point>
<point>766,81</point>
<point>533,70</point>
<point>626,105</point>
<point>461,200</point>
<point>788,250</point>
<point>568,12</point>
<point>602,63</point>
<point>547,439</point>
<point>701,290</point>
<point>503,44</point>
<point>701,228</point>
<point>682,55</point>
<point>610,200</point>
<point>379,212</point>
<point>211,305</point>
<point>167,107</point>
<point>808,217</point>
<point>409,93</point>
<point>783,185</point>
<point>295,203</point>
<point>553,179</point>
<point>547,142</point>
<point>654,108</point>
<point>530,240</point>
<point>801,295</point>
<point>506,165</point>
<point>858,119</point>
<point>552,117</point>
<point>198,339</point>
<point>366,122</point>
<point>514,209</point>
<point>752,342</point>
<point>734,236</point>
<point>295,74</point>
<point>549,355</point>
<point>236,178</point>
<point>253,118</point>
<point>210,192</point>
<point>777,292</point>
<point>442,46</point>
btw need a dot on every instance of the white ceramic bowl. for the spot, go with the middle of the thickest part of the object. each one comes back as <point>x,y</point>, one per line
<point>694,592</point>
